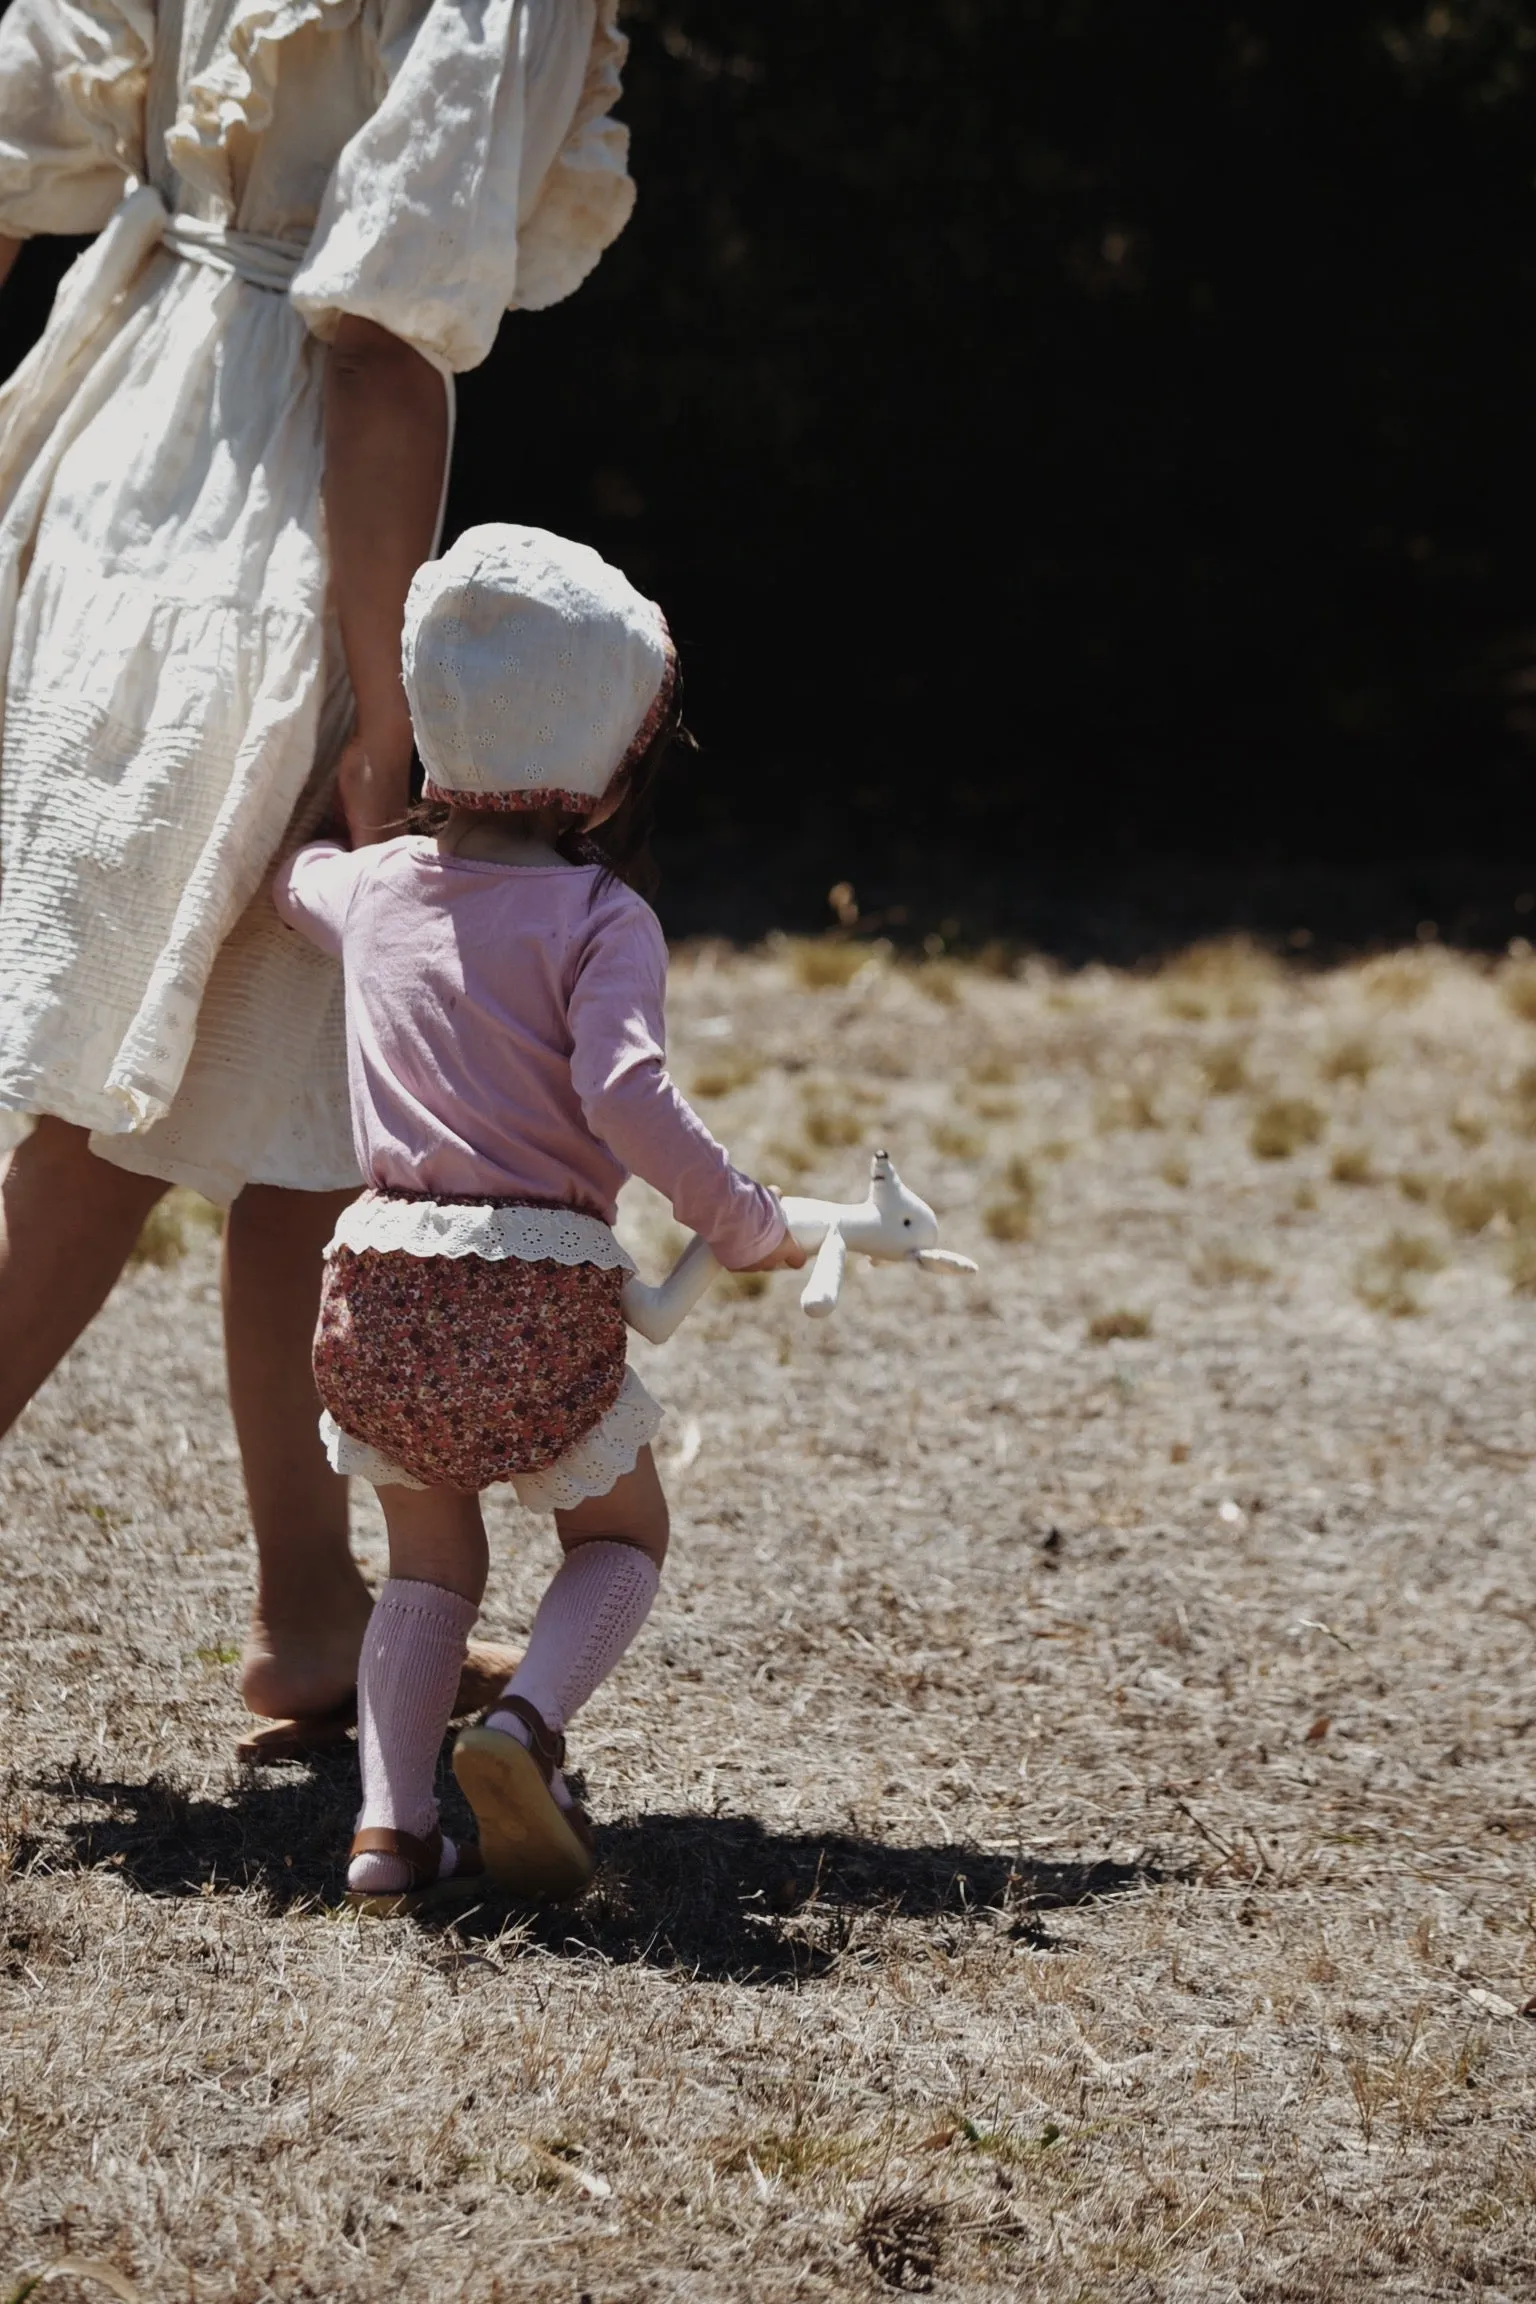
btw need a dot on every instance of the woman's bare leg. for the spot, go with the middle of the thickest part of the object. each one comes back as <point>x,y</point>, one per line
<point>67,1224</point>
<point>311,1603</point>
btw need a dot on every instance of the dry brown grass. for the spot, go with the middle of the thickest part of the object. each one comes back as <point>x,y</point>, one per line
<point>1384,1276</point>
<point>1517,982</point>
<point>174,1225</point>
<point>1220,1265</point>
<point>1282,1125</point>
<point>1128,1104</point>
<point>1225,1068</point>
<point>824,963</point>
<point>1066,1829</point>
<point>1123,1324</point>
<point>1472,1202</point>
<point>726,1077</point>
<point>1011,1216</point>
<point>1352,1058</point>
<point>1228,976</point>
<point>956,1143</point>
<point>1352,1164</point>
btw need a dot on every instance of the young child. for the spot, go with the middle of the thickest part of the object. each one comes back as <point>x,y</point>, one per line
<point>505,992</point>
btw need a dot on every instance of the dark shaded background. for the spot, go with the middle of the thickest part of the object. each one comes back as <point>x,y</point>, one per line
<point>1081,446</point>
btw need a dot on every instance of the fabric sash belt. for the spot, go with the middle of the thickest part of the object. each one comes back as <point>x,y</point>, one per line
<point>255,257</point>
<point>33,397</point>
<point>90,288</point>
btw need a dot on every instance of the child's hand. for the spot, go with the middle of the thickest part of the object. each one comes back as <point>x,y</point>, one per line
<point>373,786</point>
<point>787,1257</point>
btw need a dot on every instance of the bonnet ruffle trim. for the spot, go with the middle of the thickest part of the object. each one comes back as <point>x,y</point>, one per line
<point>235,90</point>
<point>588,196</point>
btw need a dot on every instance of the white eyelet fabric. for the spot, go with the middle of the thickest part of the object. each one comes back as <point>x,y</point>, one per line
<point>467,1228</point>
<point>175,698</point>
<point>590,1468</point>
<point>529,663</point>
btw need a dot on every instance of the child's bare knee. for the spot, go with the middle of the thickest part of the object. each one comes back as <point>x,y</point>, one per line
<point>634,1511</point>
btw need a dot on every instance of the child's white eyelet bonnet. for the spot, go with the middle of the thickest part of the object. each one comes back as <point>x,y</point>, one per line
<point>535,672</point>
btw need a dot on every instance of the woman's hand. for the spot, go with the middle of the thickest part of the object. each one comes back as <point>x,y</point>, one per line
<point>386,435</point>
<point>373,786</point>
<point>787,1257</point>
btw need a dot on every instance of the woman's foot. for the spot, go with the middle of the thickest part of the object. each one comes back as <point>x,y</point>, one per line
<point>298,1735</point>
<point>535,1847</point>
<point>391,1873</point>
<point>302,1664</point>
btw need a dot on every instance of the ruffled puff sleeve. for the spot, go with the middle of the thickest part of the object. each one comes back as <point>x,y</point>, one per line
<point>490,177</point>
<point>73,78</point>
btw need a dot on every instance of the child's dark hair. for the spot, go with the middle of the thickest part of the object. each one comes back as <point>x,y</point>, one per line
<point>622,844</point>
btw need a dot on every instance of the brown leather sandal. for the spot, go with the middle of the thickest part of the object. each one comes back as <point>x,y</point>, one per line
<point>422,1858</point>
<point>486,1671</point>
<point>532,1847</point>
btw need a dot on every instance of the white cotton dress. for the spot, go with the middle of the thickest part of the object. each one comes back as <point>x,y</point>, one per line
<point>175,698</point>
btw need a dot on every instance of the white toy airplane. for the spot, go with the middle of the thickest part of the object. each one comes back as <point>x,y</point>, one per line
<point>891,1226</point>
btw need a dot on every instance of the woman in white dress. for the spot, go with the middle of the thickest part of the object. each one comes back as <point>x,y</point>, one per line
<point>218,469</point>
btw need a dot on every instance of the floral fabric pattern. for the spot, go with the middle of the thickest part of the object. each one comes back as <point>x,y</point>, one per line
<point>465,1371</point>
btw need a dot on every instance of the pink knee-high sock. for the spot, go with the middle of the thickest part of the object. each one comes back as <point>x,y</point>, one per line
<point>406,1682</point>
<point>596,1603</point>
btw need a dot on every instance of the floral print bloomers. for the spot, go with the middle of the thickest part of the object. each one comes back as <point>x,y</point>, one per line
<point>460,1366</point>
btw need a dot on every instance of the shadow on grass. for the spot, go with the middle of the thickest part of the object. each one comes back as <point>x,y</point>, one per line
<point>718,1896</point>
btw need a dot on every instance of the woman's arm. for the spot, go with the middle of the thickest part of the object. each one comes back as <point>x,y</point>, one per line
<point>9,251</point>
<point>386,439</point>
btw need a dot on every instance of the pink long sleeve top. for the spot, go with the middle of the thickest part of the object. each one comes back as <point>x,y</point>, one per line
<point>506,1036</point>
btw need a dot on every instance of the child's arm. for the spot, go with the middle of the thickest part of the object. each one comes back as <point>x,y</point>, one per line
<point>619,1070</point>
<point>313,889</point>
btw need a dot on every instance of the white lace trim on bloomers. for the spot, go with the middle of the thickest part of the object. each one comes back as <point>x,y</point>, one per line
<point>465,1228</point>
<point>590,1468</point>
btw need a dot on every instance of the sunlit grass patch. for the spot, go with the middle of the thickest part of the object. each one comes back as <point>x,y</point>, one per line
<point>1471,1203</point>
<point>800,2152</point>
<point>1282,1125</point>
<point>1523,1100</point>
<point>1011,1216</point>
<point>1416,1185</point>
<point>1470,1125</point>
<point>956,1143</point>
<point>1350,1059</point>
<point>785,1163</point>
<point>940,980</point>
<point>993,1072</point>
<point>1108,1327</point>
<point>1384,1275</point>
<point>1398,979</point>
<point>1130,1104</point>
<point>1352,1164</point>
<point>726,1076</point>
<point>1225,1068</point>
<point>824,963</point>
<point>741,1287</point>
<point>1227,976</point>
<point>1175,1170</point>
<point>173,1225</point>
<point>992,1108</point>
<point>1517,985</point>
<point>832,1125</point>
<point>1219,1265</point>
